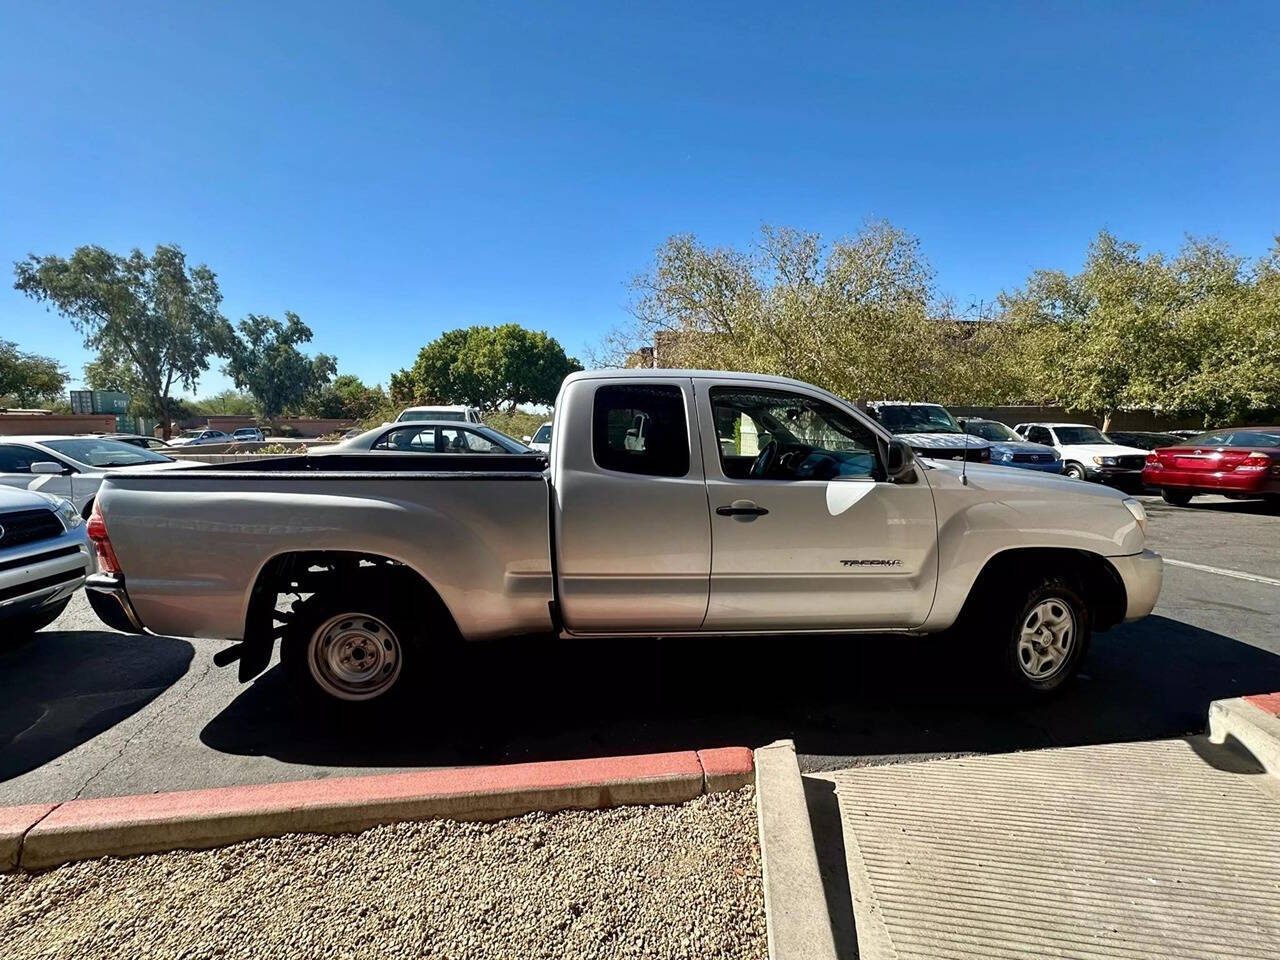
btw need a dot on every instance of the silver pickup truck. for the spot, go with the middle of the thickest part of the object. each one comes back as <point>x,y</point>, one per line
<point>671,502</point>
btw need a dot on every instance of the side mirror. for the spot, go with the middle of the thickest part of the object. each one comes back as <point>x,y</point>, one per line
<point>527,439</point>
<point>47,468</point>
<point>899,461</point>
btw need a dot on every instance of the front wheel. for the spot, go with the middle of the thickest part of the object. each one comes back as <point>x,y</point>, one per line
<point>19,628</point>
<point>1041,636</point>
<point>1074,471</point>
<point>1176,498</point>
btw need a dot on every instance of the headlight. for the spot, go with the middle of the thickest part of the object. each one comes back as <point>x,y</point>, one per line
<point>1105,461</point>
<point>1138,511</point>
<point>65,509</point>
<point>1007,457</point>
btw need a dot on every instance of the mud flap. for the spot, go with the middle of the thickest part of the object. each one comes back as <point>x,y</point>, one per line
<point>254,656</point>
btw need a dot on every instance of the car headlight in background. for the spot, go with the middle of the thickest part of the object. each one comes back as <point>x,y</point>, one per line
<point>1139,512</point>
<point>65,509</point>
<point>1007,457</point>
<point>1105,461</point>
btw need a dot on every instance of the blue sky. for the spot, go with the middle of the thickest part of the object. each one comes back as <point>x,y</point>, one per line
<point>390,171</point>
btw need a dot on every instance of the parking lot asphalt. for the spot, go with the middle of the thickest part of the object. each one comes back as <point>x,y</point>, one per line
<point>88,712</point>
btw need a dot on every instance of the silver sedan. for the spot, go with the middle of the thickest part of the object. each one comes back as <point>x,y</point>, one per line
<point>427,436</point>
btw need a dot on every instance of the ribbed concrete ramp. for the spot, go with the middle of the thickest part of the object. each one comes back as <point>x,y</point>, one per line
<point>1167,849</point>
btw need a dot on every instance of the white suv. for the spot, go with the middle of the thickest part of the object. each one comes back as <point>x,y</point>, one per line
<point>1087,453</point>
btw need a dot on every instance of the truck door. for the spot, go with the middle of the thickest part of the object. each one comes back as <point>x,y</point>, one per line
<point>807,532</point>
<point>632,534</point>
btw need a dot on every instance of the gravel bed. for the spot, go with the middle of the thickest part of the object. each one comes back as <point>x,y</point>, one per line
<point>674,881</point>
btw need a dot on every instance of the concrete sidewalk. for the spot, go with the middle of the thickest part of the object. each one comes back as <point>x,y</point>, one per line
<point>1152,849</point>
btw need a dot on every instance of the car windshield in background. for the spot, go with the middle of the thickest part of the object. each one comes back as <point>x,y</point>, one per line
<point>1071,435</point>
<point>916,418</point>
<point>105,453</point>
<point>990,430</point>
<point>543,435</point>
<point>1237,438</point>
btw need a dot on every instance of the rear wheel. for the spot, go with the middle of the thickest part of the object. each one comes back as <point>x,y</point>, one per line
<point>1177,498</point>
<point>352,648</point>
<point>1074,471</point>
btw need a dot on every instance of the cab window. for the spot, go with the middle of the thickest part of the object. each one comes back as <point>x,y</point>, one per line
<point>776,435</point>
<point>641,429</point>
<point>410,440</point>
<point>16,459</point>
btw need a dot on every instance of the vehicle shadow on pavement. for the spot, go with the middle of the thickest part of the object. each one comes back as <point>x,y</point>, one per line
<point>844,700</point>
<point>65,687</point>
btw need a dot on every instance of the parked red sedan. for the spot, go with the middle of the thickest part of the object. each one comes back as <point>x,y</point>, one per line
<point>1239,461</point>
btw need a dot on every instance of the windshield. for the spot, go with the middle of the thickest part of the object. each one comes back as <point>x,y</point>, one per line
<point>543,435</point>
<point>1070,435</point>
<point>104,453</point>
<point>990,430</point>
<point>916,418</point>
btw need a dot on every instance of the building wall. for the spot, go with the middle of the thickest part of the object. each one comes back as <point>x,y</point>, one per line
<point>18,424</point>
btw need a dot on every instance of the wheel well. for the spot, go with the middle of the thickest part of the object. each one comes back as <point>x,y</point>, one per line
<point>88,508</point>
<point>1092,574</point>
<point>313,571</point>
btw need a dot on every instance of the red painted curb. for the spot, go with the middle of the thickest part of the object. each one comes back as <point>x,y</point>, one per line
<point>727,768</point>
<point>14,824</point>
<point>192,819</point>
<point>1269,702</point>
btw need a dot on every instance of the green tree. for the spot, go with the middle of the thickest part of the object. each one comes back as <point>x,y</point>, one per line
<point>227,403</point>
<point>153,317</point>
<point>857,316</point>
<point>27,379</point>
<point>264,360</point>
<point>347,397</point>
<point>486,367</point>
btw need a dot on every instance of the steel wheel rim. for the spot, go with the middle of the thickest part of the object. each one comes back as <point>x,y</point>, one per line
<point>354,656</point>
<point>1046,639</point>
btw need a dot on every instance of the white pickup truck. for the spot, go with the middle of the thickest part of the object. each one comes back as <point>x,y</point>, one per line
<point>671,502</point>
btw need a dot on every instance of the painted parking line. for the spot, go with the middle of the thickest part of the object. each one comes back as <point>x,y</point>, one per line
<point>1220,571</point>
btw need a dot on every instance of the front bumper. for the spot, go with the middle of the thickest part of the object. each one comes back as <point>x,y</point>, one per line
<point>111,603</point>
<point>1142,574</point>
<point>43,573</point>
<point>1113,474</point>
<point>1053,466</point>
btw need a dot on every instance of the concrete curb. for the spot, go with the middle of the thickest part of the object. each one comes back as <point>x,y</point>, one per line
<point>1254,722</point>
<point>795,903</point>
<point>47,835</point>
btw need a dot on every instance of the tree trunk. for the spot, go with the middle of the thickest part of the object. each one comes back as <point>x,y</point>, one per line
<point>166,428</point>
<point>1106,421</point>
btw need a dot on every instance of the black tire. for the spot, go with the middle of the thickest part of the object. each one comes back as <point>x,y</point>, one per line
<point>1009,616</point>
<point>384,645</point>
<point>1176,498</point>
<point>17,629</point>
<point>1074,471</point>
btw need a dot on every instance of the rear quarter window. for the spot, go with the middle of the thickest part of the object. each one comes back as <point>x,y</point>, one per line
<point>641,429</point>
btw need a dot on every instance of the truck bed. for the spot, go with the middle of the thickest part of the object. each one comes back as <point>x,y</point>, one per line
<point>192,542</point>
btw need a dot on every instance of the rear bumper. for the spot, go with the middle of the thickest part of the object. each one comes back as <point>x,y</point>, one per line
<point>1209,480</point>
<point>110,602</point>
<point>1142,574</point>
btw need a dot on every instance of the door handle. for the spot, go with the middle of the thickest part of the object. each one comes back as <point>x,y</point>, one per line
<point>741,508</point>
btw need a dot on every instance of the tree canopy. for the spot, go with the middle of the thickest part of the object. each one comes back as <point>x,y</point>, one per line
<point>264,360</point>
<point>485,367</point>
<point>27,379</point>
<point>858,316</point>
<point>153,320</point>
<point>347,397</point>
